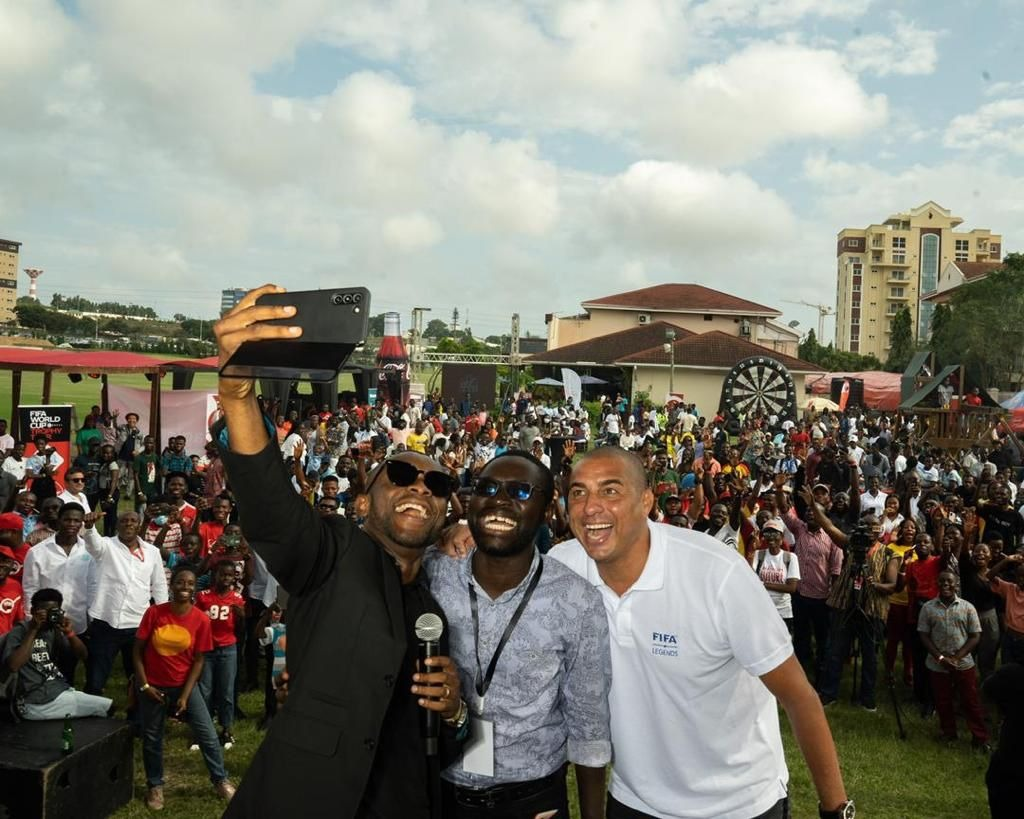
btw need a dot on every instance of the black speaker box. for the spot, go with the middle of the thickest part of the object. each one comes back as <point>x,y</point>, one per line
<point>37,781</point>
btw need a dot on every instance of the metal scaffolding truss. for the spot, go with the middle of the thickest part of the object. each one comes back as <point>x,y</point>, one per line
<point>429,357</point>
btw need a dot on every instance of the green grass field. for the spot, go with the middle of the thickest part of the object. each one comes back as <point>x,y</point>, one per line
<point>889,778</point>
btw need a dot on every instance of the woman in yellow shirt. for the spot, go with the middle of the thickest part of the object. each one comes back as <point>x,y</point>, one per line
<point>898,628</point>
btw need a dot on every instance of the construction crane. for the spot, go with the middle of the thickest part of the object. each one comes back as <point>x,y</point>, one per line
<point>823,311</point>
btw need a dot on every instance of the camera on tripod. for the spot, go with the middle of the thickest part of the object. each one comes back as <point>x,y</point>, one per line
<point>860,541</point>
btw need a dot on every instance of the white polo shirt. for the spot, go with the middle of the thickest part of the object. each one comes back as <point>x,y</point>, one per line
<point>124,581</point>
<point>695,733</point>
<point>70,497</point>
<point>48,566</point>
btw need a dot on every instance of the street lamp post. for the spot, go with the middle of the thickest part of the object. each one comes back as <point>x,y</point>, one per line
<point>669,347</point>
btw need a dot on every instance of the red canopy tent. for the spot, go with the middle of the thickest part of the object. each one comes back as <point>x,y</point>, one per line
<point>881,390</point>
<point>92,362</point>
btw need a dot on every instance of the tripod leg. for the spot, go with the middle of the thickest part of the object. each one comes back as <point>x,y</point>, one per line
<point>855,651</point>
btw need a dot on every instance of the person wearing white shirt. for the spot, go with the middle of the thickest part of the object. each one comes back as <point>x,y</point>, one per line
<point>537,450</point>
<point>928,472</point>
<point>62,562</point>
<point>873,501</point>
<point>899,463</point>
<point>703,740</point>
<point>15,463</point>
<point>128,574</point>
<point>288,445</point>
<point>74,492</point>
<point>6,439</point>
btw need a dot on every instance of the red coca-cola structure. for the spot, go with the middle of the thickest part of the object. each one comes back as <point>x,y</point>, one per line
<point>393,363</point>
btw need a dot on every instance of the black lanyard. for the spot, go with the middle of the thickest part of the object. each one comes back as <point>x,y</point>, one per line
<point>483,681</point>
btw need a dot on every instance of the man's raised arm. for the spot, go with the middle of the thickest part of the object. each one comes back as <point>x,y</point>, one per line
<point>247,322</point>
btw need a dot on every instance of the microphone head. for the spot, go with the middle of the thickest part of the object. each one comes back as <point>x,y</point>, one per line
<point>429,627</point>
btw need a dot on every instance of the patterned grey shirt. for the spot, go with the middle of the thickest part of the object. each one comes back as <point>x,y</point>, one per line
<point>548,699</point>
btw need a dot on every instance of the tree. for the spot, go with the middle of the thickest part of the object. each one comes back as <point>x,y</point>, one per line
<point>901,342</point>
<point>376,326</point>
<point>466,345</point>
<point>179,317</point>
<point>809,349</point>
<point>831,359</point>
<point>32,314</point>
<point>983,327</point>
<point>436,328</point>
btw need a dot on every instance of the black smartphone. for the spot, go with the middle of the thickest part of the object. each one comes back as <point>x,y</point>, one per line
<point>334,322</point>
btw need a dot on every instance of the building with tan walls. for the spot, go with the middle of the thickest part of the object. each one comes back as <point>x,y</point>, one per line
<point>885,267</point>
<point>8,278</point>
<point>693,307</point>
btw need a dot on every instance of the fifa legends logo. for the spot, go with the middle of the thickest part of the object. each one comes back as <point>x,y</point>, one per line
<point>664,644</point>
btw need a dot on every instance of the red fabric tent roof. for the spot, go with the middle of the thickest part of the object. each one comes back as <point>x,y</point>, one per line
<point>881,390</point>
<point>208,364</point>
<point>14,358</point>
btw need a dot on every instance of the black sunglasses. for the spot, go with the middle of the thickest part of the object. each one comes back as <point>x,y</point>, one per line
<point>326,506</point>
<point>76,480</point>
<point>515,490</point>
<point>403,473</point>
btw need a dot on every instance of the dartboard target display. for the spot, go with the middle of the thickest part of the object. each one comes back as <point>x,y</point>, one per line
<point>759,384</point>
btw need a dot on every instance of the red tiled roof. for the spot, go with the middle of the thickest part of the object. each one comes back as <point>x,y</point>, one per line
<point>690,298</point>
<point>976,270</point>
<point>715,349</point>
<point>607,348</point>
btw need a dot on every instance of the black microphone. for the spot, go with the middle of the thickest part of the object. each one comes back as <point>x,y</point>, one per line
<point>429,628</point>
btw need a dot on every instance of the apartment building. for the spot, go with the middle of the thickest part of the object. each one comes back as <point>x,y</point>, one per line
<point>8,278</point>
<point>885,267</point>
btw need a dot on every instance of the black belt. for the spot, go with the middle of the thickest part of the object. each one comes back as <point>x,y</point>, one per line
<point>500,794</point>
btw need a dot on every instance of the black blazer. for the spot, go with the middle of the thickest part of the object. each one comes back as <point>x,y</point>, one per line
<point>346,642</point>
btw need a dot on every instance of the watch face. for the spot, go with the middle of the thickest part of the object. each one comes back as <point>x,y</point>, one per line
<point>848,811</point>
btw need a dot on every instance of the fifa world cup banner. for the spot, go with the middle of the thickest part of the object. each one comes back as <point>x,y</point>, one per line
<point>51,420</point>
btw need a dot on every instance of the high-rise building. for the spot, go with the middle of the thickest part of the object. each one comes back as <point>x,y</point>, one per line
<point>230,297</point>
<point>885,267</point>
<point>8,278</point>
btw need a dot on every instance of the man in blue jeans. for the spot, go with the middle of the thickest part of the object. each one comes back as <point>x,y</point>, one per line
<point>128,573</point>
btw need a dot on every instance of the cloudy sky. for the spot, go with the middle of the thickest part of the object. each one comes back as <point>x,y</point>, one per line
<point>494,156</point>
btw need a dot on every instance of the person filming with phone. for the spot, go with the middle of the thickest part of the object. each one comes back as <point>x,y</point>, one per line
<point>351,736</point>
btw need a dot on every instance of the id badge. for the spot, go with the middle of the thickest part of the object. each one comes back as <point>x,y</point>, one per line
<point>857,583</point>
<point>478,750</point>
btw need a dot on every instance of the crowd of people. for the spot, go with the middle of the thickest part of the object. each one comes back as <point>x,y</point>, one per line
<point>858,538</point>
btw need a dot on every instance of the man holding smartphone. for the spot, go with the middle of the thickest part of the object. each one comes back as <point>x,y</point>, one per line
<point>349,736</point>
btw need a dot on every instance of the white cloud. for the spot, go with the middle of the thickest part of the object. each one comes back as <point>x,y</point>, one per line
<point>412,231</point>
<point>995,126</point>
<point>34,34</point>
<point>633,72</point>
<point>144,132</point>
<point>907,51</point>
<point>764,95</point>
<point>673,208</point>
<point>716,13</point>
<point>984,193</point>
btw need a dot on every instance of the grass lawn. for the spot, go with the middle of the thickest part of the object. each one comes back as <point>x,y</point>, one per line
<point>889,778</point>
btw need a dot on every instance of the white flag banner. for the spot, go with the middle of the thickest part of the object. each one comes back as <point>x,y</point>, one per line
<point>182,412</point>
<point>572,385</point>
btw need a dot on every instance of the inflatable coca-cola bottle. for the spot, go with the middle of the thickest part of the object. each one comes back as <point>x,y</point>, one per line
<point>393,363</point>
